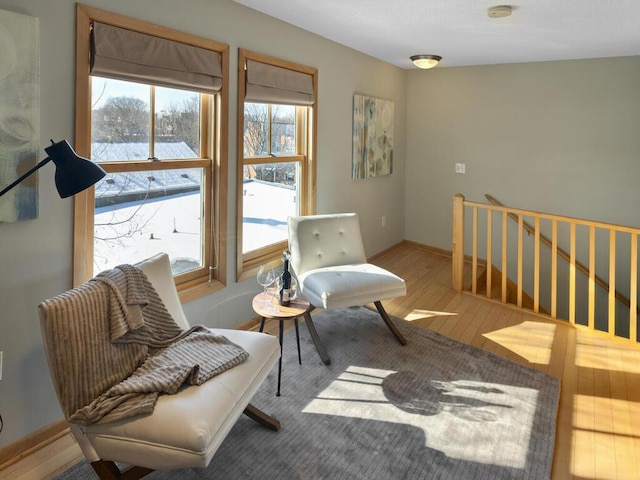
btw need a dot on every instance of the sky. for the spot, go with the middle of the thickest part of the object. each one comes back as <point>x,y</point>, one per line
<point>119,88</point>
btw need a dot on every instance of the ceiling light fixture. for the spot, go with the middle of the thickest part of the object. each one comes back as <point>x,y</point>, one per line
<point>425,61</point>
<point>499,11</point>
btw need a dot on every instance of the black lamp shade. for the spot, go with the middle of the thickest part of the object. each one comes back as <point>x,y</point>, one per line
<point>73,172</point>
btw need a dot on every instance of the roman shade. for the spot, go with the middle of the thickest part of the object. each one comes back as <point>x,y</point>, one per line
<point>271,84</point>
<point>133,56</point>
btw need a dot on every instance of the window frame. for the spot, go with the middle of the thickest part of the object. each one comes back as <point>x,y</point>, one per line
<point>213,157</point>
<point>248,264</point>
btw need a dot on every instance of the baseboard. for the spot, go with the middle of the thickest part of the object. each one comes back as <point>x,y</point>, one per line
<point>416,245</point>
<point>31,443</point>
<point>442,252</point>
<point>428,248</point>
<point>385,251</point>
<point>249,324</point>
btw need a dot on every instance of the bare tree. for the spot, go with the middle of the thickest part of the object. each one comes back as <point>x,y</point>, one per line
<point>269,130</point>
<point>283,121</point>
<point>256,130</point>
<point>258,141</point>
<point>121,119</point>
<point>180,122</point>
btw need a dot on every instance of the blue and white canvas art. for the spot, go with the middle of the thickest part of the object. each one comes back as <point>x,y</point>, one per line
<point>19,113</point>
<point>372,137</point>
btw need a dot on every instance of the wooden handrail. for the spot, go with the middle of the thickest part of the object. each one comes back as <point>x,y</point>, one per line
<point>581,268</point>
<point>549,216</point>
<point>457,277</point>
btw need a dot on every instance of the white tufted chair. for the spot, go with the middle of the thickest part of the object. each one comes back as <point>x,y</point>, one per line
<point>185,429</point>
<point>327,256</point>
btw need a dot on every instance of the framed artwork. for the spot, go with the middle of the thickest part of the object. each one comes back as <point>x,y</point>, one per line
<point>372,137</point>
<point>19,113</point>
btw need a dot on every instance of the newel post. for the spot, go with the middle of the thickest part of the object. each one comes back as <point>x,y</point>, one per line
<point>457,274</point>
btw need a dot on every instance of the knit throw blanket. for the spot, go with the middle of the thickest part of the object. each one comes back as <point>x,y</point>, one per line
<point>114,348</point>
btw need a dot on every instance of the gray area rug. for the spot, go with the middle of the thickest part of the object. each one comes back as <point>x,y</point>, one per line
<point>434,409</point>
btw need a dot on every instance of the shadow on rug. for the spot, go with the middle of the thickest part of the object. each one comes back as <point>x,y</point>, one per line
<point>434,409</point>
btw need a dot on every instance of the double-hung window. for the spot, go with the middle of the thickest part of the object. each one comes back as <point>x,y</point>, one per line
<point>149,111</point>
<point>276,154</point>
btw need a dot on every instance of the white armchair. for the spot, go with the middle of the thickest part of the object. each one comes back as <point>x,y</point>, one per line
<point>184,429</point>
<point>328,258</point>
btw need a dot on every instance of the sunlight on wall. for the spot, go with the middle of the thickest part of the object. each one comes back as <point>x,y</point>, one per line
<point>479,416</point>
<point>533,341</point>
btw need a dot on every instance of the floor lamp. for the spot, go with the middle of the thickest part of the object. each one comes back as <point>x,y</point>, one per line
<point>73,172</point>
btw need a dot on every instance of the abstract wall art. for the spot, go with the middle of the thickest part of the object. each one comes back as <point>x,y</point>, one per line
<point>19,113</point>
<point>372,137</point>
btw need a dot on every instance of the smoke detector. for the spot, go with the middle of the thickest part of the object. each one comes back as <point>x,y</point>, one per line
<point>499,11</point>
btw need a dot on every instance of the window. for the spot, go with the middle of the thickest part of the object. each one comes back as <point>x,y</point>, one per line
<point>270,189</point>
<point>276,176</point>
<point>161,142</point>
<point>158,206</point>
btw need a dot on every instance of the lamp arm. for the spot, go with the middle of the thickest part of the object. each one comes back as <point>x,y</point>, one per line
<point>39,165</point>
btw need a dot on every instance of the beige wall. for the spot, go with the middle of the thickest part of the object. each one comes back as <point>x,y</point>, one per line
<point>35,256</point>
<point>558,137</point>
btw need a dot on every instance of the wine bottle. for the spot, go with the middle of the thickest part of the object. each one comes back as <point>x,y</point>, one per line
<point>285,280</point>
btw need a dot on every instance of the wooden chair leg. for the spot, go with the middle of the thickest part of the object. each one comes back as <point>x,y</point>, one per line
<point>316,339</point>
<point>392,326</point>
<point>262,418</point>
<point>108,470</point>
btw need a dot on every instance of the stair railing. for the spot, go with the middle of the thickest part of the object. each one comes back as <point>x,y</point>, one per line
<point>501,214</point>
<point>564,255</point>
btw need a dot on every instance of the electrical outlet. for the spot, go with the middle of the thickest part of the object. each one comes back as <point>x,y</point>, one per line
<point>383,221</point>
<point>460,168</point>
<point>0,365</point>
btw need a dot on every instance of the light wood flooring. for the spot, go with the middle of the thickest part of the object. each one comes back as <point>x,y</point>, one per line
<point>598,428</point>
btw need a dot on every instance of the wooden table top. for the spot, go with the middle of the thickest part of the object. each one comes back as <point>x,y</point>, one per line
<point>297,308</point>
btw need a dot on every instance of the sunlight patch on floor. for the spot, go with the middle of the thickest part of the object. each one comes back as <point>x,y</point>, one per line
<point>592,356</point>
<point>421,314</point>
<point>532,341</point>
<point>478,415</point>
<point>597,352</point>
<point>593,432</point>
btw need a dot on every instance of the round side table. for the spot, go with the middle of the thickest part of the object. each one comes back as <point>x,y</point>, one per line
<point>299,307</point>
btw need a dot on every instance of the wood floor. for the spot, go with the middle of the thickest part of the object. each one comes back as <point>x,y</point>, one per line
<point>598,428</point>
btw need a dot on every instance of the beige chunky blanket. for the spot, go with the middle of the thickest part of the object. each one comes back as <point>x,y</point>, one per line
<point>114,348</point>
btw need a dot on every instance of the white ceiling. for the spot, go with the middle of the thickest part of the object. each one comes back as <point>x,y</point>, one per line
<point>462,32</point>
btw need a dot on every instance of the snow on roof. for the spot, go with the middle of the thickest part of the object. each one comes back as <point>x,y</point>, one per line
<point>127,151</point>
<point>127,184</point>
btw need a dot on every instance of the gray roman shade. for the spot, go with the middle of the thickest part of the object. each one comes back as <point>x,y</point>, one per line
<point>270,84</point>
<point>127,55</point>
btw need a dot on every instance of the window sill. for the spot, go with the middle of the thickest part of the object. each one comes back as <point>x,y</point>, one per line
<point>198,288</point>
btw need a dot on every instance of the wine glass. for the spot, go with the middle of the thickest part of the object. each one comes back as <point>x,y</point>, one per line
<point>294,289</point>
<point>265,277</point>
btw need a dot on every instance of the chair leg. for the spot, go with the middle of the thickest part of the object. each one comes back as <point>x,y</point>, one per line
<point>316,339</point>
<point>262,418</point>
<point>392,326</point>
<point>107,470</point>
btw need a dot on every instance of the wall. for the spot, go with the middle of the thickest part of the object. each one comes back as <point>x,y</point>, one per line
<point>36,256</point>
<point>557,137</point>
